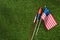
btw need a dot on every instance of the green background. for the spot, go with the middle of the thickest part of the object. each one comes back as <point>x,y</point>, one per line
<point>16,18</point>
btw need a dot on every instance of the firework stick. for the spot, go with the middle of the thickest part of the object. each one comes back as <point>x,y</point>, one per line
<point>39,18</point>
<point>35,19</point>
<point>34,30</point>
<point>38,26</point>
<point>31,31</point>
<point>33,26</point>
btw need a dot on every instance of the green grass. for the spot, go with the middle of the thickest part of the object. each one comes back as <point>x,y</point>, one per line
<point>16,18</point>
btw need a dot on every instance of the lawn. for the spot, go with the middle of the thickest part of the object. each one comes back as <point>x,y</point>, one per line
<point>16,18</point>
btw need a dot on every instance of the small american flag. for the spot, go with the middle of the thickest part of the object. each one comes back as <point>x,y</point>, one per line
<point>49,21</point>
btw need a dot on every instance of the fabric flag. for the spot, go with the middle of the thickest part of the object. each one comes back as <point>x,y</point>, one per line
<point>48,19</point>
<point>38,15</point>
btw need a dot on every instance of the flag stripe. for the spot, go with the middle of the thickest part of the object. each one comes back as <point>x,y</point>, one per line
<point>49,21</point>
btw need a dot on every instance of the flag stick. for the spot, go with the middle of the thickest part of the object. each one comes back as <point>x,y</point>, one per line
<point>38,27</point>
<point>34,30</point>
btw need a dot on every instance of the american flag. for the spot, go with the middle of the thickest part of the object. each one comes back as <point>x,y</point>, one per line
<point>49,21</point>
